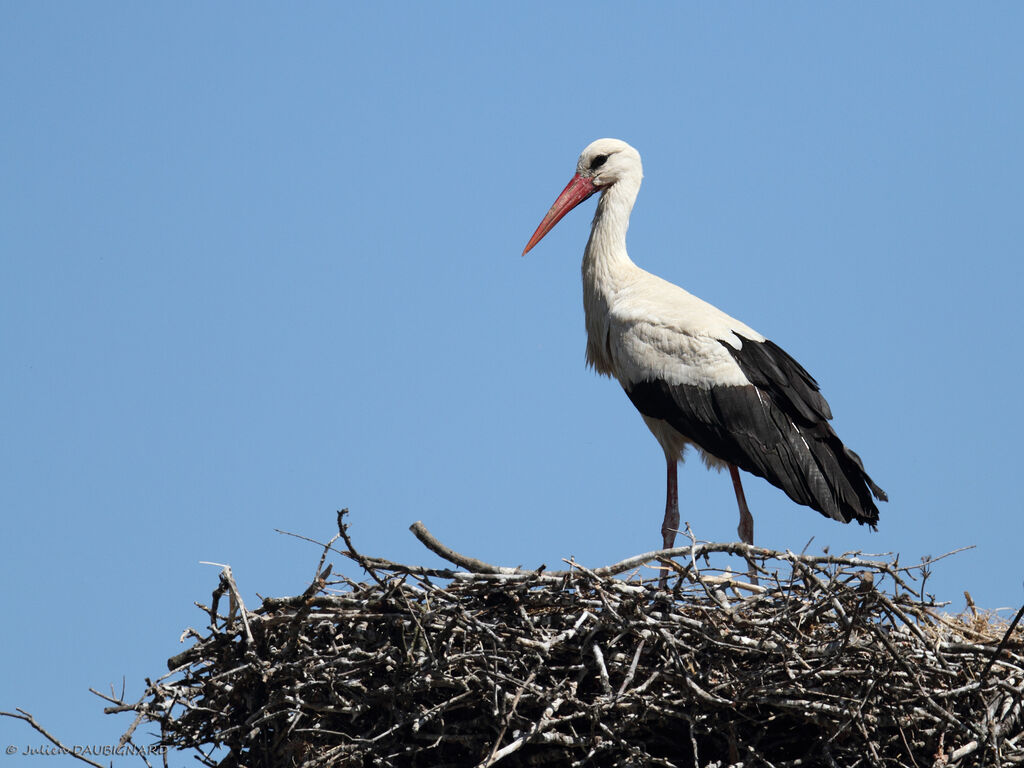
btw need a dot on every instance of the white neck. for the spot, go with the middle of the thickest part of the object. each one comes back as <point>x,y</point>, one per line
<point>606,264</point>
<point>607,243</point>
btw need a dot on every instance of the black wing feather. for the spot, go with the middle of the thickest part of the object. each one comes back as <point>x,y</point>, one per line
<point>776,428</point>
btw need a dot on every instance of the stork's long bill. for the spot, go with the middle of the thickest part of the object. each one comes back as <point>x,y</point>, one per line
<point>699,377</point>
<point>575,192</point>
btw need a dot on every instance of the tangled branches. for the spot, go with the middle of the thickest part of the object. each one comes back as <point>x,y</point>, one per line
<point>825,660</point>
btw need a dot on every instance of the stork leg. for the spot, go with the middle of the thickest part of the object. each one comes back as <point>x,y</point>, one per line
<point>670,525</point>
<point>746,526</point>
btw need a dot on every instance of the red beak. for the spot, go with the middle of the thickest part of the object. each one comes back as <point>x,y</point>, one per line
<point>575,192</point>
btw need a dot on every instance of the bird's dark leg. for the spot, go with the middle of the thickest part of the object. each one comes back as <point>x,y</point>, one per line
<point>670,525</point>
<point>746,526</point>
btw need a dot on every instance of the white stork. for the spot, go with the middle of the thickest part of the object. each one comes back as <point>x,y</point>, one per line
<point>697,376</point>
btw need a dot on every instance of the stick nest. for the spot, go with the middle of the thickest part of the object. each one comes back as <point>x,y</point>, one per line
<point>824,661</point>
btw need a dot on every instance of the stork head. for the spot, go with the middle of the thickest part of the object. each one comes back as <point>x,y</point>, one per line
<point>601,165</point>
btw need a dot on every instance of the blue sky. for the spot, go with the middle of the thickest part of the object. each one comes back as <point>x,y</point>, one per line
<point>260,263</point>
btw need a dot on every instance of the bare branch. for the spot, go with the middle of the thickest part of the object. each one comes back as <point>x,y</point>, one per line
<point>23,715</point>
<point>471,564</point>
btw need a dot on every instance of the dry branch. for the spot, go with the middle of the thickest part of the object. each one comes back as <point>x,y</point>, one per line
<point>69,751</point>
<point>828,660</point>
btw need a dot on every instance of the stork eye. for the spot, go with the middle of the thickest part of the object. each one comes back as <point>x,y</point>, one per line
<point>597,162</point>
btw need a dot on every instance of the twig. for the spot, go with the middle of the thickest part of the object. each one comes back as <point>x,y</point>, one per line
<point>1003,642</point>
<point>537,728</point>
<point>351,550</point>
<point>508,718</point>
<point>53,739</point>
<point>236,598</point>
<point>471,564</point>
